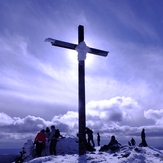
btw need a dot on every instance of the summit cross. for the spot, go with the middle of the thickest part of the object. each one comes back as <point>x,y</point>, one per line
<point>82,50</point>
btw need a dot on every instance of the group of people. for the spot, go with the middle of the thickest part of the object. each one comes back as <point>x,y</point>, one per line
<point>47,139</point>
<point>90,139</point>
<point>114,144</point>
<point>143,140</point>
<point>132,142</point>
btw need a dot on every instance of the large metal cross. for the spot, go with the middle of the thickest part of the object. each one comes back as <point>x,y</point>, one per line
<point>82,49</point>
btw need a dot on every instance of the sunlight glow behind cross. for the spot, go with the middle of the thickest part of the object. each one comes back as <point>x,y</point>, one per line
<point>72,57</point>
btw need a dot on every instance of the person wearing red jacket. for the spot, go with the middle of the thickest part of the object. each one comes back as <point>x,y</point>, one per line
<point>40,140</point>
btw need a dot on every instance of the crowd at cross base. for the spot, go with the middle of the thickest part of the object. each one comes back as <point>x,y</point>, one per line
<point>47,139</point>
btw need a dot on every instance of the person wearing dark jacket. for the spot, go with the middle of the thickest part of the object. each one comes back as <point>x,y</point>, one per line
<point>113,145</point>
<point>89,132</point>
<point>98,139</point>
<point>53,141</point>
<point>143,134</point>
<point>47,132</point>
<point>143,143</point>
<point>133,142</point>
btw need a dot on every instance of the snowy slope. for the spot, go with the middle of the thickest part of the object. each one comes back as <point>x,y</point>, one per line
<point>67,152</point>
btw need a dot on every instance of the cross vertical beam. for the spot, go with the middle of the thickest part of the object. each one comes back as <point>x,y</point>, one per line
<point>81,97</point>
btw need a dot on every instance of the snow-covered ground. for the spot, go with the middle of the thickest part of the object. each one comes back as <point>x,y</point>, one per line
<point>67,152</point>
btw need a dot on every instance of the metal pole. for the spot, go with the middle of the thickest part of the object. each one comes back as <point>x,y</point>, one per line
<point>81,85</point>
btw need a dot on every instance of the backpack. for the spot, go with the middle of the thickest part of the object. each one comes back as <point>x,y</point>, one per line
<point>57,133</point>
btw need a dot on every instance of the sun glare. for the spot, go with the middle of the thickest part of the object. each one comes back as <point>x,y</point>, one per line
<point>73,58</point>
<point>90,58</point>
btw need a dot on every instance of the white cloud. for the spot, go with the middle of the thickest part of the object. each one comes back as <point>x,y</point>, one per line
<point>105,113</point>
<point>27,124</point>
<point>156,115</point>
<point>118,110</point>
<point>67,123</point>
<point>5,119</point>
<point>121,116</point>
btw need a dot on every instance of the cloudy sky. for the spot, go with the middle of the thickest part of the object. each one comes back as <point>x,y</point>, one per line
<point>39,82</point>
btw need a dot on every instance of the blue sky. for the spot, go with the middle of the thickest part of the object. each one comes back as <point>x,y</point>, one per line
<point>39,82</point>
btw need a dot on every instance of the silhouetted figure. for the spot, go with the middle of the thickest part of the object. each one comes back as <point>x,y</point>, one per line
<point>133,142</point>
<point>129,143</point>
<point>89,132</point>
<point>98,139</point>
<point>88,146</point>
<point>143,136</point>
<point>58,134</point>
<point>47,132</point>
<point>53,141</point>
<point>113,145</point>
<point>40,140</point>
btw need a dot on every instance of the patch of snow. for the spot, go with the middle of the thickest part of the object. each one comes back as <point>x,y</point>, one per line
<point>67,152</point>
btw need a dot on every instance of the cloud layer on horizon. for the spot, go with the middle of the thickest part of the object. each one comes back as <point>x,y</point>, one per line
<point>121,116</point>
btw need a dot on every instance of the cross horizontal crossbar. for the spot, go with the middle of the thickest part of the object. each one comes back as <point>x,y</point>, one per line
<point>73,47</point>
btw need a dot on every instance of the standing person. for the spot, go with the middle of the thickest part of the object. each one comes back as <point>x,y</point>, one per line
<point>40,140</point>
<point>89,132</point>
<point>47,131</point>
<point>143,143</point>
<point>143,134</point>
<point>98,139</point>
<point>53,141</point>
<point>133,142</point>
